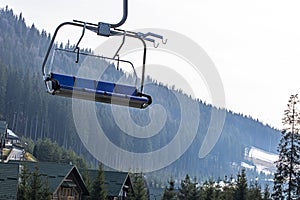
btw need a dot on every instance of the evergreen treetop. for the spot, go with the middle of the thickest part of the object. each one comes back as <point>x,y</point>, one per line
<point>99,190</point>
<point>286,177</point>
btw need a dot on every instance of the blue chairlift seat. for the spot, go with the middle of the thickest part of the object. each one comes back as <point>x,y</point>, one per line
<point>99,91</point>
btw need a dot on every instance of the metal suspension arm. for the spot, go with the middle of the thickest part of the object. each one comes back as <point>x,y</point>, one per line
<point>92,27</point>
<point>125,14</point>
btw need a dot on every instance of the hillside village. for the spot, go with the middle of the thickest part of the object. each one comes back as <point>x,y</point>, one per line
<point>11,148</point>
<point>65,180</point>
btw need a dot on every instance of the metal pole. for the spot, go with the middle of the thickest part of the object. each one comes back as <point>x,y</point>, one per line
<point>125,14</point>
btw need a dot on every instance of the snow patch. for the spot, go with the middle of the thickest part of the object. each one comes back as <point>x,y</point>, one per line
<point>262,155</point>
<point>261,160</point>
<point>247,166</point>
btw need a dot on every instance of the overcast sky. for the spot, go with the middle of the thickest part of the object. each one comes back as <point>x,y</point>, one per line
<point>255,44</point>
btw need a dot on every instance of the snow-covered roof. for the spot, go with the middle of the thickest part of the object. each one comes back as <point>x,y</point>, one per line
<point>12,135</point>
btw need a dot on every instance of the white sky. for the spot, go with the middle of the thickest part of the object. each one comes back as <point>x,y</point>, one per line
<point>255,44</point>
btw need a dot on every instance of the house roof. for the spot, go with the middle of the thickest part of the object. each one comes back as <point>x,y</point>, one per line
<point>12,135</point>
<point>57,173</point>
<point>9,180</point>
<point>114,181</point>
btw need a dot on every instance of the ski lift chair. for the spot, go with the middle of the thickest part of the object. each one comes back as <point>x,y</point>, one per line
<point>95,90</point>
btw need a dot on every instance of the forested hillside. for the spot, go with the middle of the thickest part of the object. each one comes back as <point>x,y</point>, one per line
<point>23,102</point>
<point>33,113</point>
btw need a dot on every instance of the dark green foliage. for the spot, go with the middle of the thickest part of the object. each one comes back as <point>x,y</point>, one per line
<point>254,192</point>
<point>32,186</point>
<point>266,194</point>
<point>278,185</point>
<point>130,194</point>
<point>24,104</point>
<point>98,189</point>
<point>227,192</point>
<point>28,144</point>
<point>195,191</point>
<point>24,189</point>
<point>170,192</point>
<point>241,186</point>
<point>46,150</point>
<point>188,190</point>
<point>217,190</point>
<point>86,178</point>
<point>139,187</point>
<point>36,185</point>
<point>208,190</point>
<point>286,178</point>
<point>46,194</point>
<point>184,189</point>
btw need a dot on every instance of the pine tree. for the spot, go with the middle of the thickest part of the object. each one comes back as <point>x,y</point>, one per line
<point>99,190</point>
<point>241,186</point>
<point>139,187</point>
<point>286,178</point>
<point>254,192</point>
<point>130,194</point>
<point>218,189</point>
<point>194,190</point>
<point>188,190</point>
<point>36,185</point>
<point>184,188</point>
<point>228,189</point>
<point>208,190</point>
<point>86,178</point>
<point>266,194</point>
<point>46,194</point>
<point>227,193</point>
<point>169,192</point>
<point>24,186</point>
<point>278,184</point>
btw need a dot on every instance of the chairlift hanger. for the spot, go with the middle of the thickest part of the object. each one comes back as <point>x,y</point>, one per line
<point>100,91</point>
